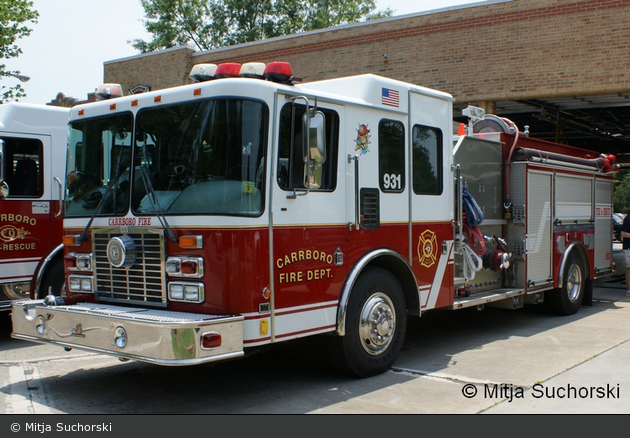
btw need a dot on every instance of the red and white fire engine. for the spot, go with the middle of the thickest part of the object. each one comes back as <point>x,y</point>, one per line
<point>33,142</point>
<point>204,221</point>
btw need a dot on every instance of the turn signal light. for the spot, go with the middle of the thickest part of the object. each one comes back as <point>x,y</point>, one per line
<point>210,340</point>
<point>191,242</point>
<point>71,240</point>
<point>266,293</point>
<point>184,267</point>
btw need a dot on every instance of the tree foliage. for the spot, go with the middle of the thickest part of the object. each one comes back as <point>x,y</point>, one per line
<point>15,18</point>
<point>621,192</point>
<point>210,24</point>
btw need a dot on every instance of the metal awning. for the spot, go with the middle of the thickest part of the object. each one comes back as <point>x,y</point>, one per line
<point>600,122</point>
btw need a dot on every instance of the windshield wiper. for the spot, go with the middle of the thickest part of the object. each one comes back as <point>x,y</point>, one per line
<point>108,189</point>
<point>155,203</point>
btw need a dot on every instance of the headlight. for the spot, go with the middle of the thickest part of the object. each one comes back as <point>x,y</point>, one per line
<point>80,283</point>
<point>188,292</point>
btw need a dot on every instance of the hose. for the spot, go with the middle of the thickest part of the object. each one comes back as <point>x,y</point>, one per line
<point>474,215</point>
<point>471,262</point>
<point>474,246</point>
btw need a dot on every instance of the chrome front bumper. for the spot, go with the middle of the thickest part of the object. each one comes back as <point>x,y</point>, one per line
<point>155,336</point>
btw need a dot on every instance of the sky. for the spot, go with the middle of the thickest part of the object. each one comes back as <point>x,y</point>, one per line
<point>74,38</point>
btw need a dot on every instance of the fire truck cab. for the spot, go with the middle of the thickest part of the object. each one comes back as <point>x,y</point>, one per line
<point>32,168</point>
<point>207,220</point>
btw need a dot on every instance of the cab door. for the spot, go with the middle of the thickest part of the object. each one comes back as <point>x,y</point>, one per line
<point>28,211</point>
<point>432,198</point>
<point>308,221</point>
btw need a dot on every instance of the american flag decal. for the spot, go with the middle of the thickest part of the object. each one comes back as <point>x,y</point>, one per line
<point>390,97</point>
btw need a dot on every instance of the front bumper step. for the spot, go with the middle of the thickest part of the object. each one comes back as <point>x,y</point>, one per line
<point>151,335</point>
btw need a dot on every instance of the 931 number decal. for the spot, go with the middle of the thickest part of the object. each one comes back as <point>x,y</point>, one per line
<point>392,182</point>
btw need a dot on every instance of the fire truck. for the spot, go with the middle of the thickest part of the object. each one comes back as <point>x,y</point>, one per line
<point>32,162</point>
<point>248,208</point>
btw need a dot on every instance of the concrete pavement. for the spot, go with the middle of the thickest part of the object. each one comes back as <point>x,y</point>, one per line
<point>578,364</point>
<point>598,385</point>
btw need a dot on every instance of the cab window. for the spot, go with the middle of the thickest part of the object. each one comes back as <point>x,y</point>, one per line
<point>427,160</point>
<point>391,156</point>
<point>23,167</point>
<point>291,164</point>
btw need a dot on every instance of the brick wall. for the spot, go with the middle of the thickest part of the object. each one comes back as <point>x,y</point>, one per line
<point>158,70</point>
<point>503,50</point>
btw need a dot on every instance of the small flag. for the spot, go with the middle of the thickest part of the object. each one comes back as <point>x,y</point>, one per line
<point>390,97</point>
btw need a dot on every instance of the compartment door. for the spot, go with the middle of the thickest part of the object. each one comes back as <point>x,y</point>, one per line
<point>539,230</point>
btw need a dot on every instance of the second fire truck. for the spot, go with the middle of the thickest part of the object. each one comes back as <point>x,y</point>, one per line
<point>32,173</point>
<point>207,220</point>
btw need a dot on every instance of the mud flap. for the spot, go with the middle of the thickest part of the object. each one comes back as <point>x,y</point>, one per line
<point>588,294</point>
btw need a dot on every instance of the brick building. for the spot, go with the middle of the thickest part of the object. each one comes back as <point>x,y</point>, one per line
<point>562,67</point>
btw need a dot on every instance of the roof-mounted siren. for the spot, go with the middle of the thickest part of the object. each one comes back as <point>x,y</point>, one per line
<point>280,71</point>
<point>108,91</point>
<point>203,72</point>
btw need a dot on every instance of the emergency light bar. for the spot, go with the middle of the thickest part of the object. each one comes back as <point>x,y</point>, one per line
<point>278,71</point>
<point>108,91</point>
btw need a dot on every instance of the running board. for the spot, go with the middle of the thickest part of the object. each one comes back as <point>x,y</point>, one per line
<point>506,298</point>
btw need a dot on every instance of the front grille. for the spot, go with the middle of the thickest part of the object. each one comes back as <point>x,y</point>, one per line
<point>142,283</point>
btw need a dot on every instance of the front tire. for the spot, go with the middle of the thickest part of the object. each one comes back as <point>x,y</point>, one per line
<point>54,277</point>
<point>568,299</point>
<point>376,322</point>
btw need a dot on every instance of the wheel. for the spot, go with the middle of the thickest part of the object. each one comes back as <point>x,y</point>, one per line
<point>376,321</point>
<point>568,299</point>
<point>54,278</point>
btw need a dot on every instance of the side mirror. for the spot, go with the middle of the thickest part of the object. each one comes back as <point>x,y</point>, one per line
<point>314,129</point>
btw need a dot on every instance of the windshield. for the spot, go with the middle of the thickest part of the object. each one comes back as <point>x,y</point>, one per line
<point>99,155</point>
<point>202,157</point>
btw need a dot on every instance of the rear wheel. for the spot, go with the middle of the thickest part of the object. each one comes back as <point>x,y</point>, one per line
<point>568,299</point>
<point>376,321</point>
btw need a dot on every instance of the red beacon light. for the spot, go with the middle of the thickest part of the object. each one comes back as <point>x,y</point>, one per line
<point>228,70</point>
<point>279,71</point>
<point>108,91</point>
<point>610,163</point>
<point>203,72</point>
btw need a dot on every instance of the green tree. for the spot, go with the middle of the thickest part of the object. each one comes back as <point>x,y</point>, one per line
<point>15,16</point>
<point>621,192</point>
<point>210,24</point>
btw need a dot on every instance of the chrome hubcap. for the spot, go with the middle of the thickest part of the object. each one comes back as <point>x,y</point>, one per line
<point>574,282</point>
<point>378,324</point>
